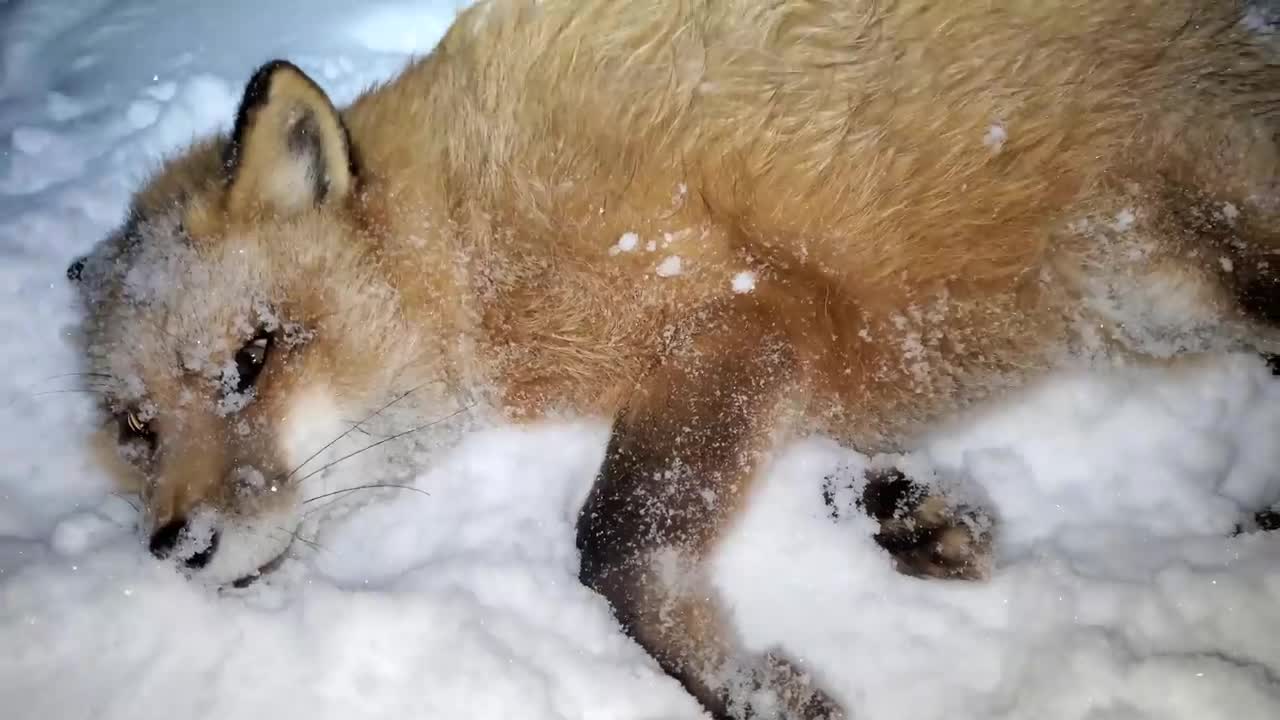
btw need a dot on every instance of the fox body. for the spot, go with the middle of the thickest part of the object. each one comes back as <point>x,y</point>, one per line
<point>716,224</point>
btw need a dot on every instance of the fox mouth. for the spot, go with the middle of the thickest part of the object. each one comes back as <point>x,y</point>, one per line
<point>266,569</point>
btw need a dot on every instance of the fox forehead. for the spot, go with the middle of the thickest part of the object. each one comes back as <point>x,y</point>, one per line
<point>154,298</point>
<point>167,310</point>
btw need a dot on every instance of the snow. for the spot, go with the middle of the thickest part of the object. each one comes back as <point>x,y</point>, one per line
<point>1124,220</point>
<point>670,266</point>
<point>743,282</point>
<point>1120,590</point>
<point>1230,212</point>
<point>1261,20</point>
<point>995,137</point>
<point>627,242</point>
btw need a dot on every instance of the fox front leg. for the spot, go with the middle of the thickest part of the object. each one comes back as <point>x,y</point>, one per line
<point>681,458</point>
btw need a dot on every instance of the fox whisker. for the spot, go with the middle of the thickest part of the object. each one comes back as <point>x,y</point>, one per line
<point>366,487</point>
<point>347,432</point>
<point>397,436</point>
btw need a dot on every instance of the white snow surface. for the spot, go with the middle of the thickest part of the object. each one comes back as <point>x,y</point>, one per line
<point>1119,590</point>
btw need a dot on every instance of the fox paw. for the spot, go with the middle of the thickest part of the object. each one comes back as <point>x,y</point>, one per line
<point>927,536</point>
<point>773,688</point>
<point>1262,521</point>
<point>1268,520</point>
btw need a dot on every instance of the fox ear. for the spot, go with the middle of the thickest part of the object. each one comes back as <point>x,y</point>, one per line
<point>289,150</point>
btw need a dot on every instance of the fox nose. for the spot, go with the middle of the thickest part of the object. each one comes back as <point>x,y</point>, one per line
<point>168,537</point>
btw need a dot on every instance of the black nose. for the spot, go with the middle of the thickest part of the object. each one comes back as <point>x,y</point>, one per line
<point>166,538</point>
<point>163,539</point>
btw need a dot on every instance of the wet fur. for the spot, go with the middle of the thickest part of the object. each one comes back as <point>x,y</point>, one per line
<point>459,226</point>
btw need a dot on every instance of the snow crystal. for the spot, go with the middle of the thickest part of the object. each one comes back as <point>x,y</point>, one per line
<point>162,91</point>
<point>669,267</point>
<point>626,243</point>
<point>743,282</point>
<point>1259,20</point>
<point>81,532</point>
<point>1230,212</point>
<point>995,137</point>
<point>142,114</point>
<point>63,108</point>
<point>250,480</point>
<point>43,159</point>
<point>197,534</point>
<point>31,141</point>
<point>1124,220</point>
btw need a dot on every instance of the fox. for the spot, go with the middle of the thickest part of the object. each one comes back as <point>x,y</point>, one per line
<point>716,225</point>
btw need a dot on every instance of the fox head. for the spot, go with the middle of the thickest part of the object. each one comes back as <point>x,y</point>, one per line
<point>238,313</point>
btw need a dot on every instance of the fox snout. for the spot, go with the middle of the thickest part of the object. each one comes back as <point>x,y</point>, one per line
<point>194,542</point>
<point>229,530</point>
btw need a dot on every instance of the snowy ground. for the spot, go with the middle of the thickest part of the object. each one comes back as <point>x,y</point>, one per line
<point>1119,592</point>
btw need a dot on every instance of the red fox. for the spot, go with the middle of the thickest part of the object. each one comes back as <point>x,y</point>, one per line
<point>715,223</point>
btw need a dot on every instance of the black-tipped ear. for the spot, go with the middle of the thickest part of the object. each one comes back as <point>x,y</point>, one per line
<point>289,150</point>
<point>76,269</point>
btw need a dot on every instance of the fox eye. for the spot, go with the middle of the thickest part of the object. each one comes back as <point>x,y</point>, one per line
<point>250,361</point>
